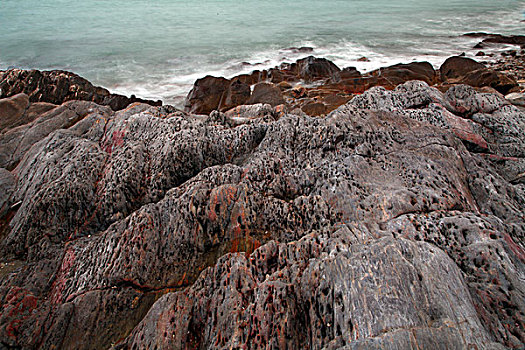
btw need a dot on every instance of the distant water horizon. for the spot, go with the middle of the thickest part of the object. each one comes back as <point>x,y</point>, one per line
<point>156,49</point>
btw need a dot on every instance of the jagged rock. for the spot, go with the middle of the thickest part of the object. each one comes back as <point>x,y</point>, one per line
<point>251,111</point>
<point>205,96</point>
<point>150,227</point>
<point>333,303</point>
<point>7,186</point>
<point>14,143</point>
<point>58,86</point>
<point>516,98</point>
<point>266,93</point>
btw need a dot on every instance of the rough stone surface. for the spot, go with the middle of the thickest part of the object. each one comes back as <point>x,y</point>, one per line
<point>397,222</point>
<point>237,94</point>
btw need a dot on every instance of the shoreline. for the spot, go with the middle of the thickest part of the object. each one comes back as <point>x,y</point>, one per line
<point>374,60</point>
<point>147,226</point>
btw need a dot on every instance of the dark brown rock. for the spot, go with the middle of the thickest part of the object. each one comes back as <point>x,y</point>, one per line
<point>456,67</point>
<point>401,73</point>
<point>11,111</point>
<point>487,77</point>
<point>206,94</point>
<point>57,87</point>
<point>266,93</point>
<point>302,49</point>
<point>314,109</point>
<point>501,39</point>
<point>312,68</point>
<point>238,93</point>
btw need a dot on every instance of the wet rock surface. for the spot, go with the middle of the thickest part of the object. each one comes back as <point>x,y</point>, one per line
<point>57,87</point>
<point>396,221</point>
<point>316,86</point>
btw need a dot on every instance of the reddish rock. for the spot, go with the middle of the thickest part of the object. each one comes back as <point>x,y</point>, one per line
<point>284,85</point>
<point>266,93</point>
<point>238,93</point>
<point>346,73</point>
<point>334,101</point>
<point>456,67</point>
<point>206,95</point>
<point>57,87</point>
<point>401,73</point>
<point>299,92</point>
<point>12,109</point>
<point>314,109</point>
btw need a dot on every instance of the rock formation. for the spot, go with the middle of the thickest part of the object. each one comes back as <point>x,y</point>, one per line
<point>316,86</point>
<point>58,86</point>
<point>396,221</point>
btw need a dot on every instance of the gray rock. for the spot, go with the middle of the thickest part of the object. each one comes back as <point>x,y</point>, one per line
<point>378,226</point>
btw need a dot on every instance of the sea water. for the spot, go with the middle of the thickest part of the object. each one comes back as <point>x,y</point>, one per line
<point>157,48</point>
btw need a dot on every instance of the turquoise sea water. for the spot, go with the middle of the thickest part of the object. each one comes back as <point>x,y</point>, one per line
<point>157,48</point>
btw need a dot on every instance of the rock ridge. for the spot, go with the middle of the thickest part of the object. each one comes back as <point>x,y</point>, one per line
<point>394,221</point>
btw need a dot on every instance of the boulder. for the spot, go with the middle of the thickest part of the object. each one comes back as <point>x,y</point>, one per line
<point>392,76</point>
<point>12,109</point>
<point>206,94</point>
<point>498,38</point>
<point>516,98</point>
<point>238,93</point>
<point>314,109</point>
<point>348,73</point>
<point>312,68</point>
<point>488,77</point>
<point>266,93</point>
<point>455,67</point>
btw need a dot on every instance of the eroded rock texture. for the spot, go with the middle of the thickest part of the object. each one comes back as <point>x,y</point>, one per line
<point>396,222</point>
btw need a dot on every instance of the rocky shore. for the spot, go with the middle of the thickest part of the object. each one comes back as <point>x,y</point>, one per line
<point>315,86</point>
<point>306,206</point>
